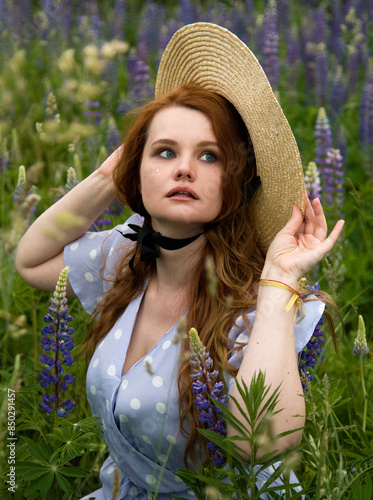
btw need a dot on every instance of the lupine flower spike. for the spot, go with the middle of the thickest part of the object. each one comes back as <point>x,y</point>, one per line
<point>203,373</point>
<point>360,344</point>
<point>313,349</point>
<point>57,339</point>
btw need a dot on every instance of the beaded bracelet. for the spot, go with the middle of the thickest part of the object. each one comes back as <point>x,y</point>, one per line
<point>294,300</point>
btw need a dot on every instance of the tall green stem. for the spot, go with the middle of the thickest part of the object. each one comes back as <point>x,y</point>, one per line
<point>365,395</point>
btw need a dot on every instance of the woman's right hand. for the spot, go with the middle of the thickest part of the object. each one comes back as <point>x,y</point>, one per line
<point>106,169</point>
<point>39,257</point>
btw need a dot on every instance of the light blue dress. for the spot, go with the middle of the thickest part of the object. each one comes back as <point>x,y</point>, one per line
<point>139,411</point>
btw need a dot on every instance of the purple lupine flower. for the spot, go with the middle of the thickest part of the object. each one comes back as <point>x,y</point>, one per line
<point>270,43</point>
<point>202,375</point>
<point>95,22</point>
<point>360,345</point>
<point>293,48</point>
<point>319,26</point>
<point>323,135</point>
<point>139,88</point>
<point>4,159</point>
<point>336,20</point>
<point>92,112</point>
<point>334,181</point>
<point>321,70</point>
<point>57,340</point>
<point>366,114</point>
<point>21,183</point>
<point>72,179</point>
<point>142,90</point>
<point>112,136</point>
<point>283,6</point>
<point>149,31</point>
<point>118,19</point>
<point>313,349</point>
<point>312,181</point>
<point>338,93</point>
<point>186,12</point>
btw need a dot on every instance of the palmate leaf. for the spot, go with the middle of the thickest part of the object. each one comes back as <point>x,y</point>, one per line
<point>74,472</point>
<point>32,470</point>
<point>65,483</point>
<point>42,484</point>
<point>41,451</point>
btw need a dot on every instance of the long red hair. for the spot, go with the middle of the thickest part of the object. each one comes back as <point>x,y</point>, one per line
<point>232,245</point>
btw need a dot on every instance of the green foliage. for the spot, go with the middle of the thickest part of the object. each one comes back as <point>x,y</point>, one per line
<point>242,475</point>
<point>335,457</point>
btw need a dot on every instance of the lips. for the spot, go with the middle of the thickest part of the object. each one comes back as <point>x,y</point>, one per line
<point>182,192</point>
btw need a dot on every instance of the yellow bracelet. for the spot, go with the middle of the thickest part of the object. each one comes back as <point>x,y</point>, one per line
<point>295,298</point>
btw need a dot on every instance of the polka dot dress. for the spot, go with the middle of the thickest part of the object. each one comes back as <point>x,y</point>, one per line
<point>139,411</point>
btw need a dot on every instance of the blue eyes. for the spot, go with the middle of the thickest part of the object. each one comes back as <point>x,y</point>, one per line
<point>207,157</point>
<point>166,153</point>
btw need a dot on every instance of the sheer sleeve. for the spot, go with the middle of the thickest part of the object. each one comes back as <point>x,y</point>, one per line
<point>92,259</point>
<point>302,332</point>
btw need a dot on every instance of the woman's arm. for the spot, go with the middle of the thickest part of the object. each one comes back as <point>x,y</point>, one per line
<point>39,257</point>
<point>271,348</point>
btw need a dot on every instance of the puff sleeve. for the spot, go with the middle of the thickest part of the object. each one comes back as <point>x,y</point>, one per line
<point>92,259</point>
<point>302,332</point>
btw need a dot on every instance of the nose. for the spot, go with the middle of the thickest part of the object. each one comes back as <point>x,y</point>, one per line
<point>185,169</point>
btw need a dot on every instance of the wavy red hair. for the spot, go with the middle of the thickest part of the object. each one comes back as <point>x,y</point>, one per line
<point>232,244</point>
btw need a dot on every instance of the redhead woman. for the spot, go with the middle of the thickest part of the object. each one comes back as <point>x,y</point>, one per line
<point>210,169</point>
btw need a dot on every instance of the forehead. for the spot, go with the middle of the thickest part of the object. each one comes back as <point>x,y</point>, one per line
<point>178,120</point>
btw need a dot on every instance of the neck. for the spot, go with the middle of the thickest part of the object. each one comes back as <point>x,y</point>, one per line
<point>174,268</point>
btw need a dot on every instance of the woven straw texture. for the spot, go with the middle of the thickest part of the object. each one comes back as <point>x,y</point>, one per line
<point>213,57</point>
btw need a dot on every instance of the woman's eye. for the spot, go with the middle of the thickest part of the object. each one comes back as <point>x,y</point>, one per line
<point>166,153</point>
<point>209,157</point>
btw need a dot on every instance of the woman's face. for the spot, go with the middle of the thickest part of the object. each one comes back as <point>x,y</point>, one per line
<point>181,172</point>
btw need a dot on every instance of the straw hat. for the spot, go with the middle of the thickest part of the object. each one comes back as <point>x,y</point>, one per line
<point>213,57</point>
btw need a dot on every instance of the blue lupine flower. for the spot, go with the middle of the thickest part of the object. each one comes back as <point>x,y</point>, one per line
<point>366,114</point>
<point>92,112</point>
<point>312,181</point>
<point>21,182</point>
<point>334,180</point>
<point>202,365</point>
<point>270,34</point>
<point>57,337</point>
<point>313,349</point>
<point>321,69</point>
<point>323,135</point>
<point>360,344</point>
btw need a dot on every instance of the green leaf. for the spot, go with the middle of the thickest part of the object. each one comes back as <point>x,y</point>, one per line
<point>42,484</point>
<point>35,450</point>
<point>32,470</point>
<point>63,482</point>
<point>75,472</point>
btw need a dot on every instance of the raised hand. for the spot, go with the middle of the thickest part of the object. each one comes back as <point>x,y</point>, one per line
<point>302,243</point>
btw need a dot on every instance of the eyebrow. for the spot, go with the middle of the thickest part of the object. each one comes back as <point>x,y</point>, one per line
<point>171,142</point>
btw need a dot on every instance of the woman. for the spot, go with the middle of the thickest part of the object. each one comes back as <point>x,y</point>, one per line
<point>189,170</point>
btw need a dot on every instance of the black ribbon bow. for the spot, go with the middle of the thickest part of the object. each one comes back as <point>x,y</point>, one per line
<point>147,238</point>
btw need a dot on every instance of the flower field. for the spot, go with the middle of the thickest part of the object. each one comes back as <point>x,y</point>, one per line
<point>69,74</point>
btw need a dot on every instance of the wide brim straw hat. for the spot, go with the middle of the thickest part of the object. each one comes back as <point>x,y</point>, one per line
<point>214,58</point>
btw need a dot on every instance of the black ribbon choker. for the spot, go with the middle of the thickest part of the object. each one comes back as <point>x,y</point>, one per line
<point>147,238</point>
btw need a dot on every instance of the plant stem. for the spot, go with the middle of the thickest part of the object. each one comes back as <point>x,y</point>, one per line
<point>365,395</point>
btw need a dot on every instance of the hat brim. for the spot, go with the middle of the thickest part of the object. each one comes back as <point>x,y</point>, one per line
<point>214,58</point>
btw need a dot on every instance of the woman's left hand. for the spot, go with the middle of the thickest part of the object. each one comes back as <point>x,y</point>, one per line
<point>302,243</point>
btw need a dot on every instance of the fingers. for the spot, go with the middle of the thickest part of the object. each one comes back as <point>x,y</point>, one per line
<point>331,240</point>
<point>294,223</point>
<point>320,225</point>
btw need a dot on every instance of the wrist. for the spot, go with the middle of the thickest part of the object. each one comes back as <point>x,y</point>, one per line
<point>275,274</point>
